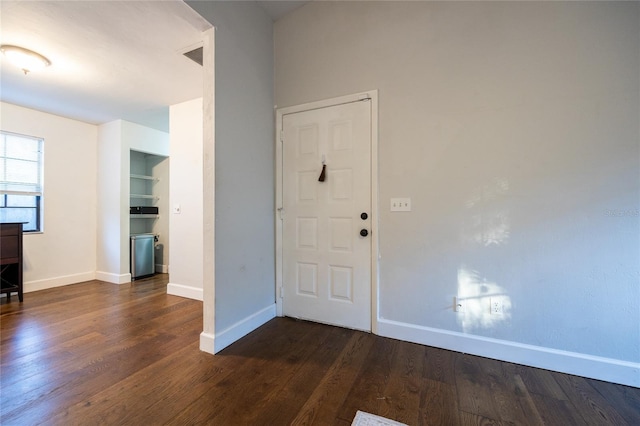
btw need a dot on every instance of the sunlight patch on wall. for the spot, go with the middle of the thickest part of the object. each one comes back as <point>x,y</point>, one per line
<point>484,304</point>
<point>481,302</point>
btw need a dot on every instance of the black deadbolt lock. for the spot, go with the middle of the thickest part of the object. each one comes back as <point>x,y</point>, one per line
<point>364,216</point>
<point>364,232</point>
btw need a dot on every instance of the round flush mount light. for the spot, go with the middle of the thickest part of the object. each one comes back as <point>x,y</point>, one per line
<point>25,59</point>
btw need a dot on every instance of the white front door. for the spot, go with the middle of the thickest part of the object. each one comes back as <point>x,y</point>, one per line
<point>326,224</point>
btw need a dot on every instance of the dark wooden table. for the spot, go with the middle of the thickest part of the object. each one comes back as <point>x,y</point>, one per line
<point>11,259</point>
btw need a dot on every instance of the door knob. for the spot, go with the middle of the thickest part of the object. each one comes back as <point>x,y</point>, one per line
<point>364,232</point>
<point>363,216</point>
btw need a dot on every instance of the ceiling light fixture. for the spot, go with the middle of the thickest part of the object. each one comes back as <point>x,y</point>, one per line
<point>25,59</point>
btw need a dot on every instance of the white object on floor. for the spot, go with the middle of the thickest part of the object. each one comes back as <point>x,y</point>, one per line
<point>366,419</point>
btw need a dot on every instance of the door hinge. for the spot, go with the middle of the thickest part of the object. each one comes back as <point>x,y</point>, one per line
<point>281,213</point>
<point>282,292</point>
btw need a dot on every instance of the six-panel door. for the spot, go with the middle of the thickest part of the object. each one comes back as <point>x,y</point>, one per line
<point>326,253</point>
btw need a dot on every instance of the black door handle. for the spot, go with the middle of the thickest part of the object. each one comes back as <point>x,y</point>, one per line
<point>364,232</point>
<point>364,216</point>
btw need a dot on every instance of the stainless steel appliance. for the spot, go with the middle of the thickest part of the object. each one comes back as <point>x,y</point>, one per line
<point>142,255</point>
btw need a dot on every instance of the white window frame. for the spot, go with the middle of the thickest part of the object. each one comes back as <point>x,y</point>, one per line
<point>13,187</point>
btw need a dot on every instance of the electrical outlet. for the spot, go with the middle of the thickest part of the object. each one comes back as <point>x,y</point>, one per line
<point>497,307</point>
<point>458,305</point>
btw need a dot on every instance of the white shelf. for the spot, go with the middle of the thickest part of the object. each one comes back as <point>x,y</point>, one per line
<point>145,196</point>
<point>144,216</point>
<point>133,176</point>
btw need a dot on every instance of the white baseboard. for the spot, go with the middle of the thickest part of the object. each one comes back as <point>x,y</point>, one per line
<point>185,291</point>
<point>207,343</point>
<point>46,283</point>
<point>113,278</point>
<point>162,269</point>
<point>241,328</point>
<point>599,368</point>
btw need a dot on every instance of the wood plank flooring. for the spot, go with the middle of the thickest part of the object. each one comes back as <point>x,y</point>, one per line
<point>102,354</point>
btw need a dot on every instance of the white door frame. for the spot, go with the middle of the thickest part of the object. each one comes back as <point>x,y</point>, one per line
<point>280,113</point>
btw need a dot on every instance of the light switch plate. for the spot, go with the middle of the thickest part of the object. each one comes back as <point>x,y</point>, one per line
<point>401,204</point>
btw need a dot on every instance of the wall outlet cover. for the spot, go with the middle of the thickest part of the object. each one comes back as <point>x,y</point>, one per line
<point>497,306</point>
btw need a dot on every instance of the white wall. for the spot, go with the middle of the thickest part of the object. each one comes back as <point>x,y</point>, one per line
<point>115,141</point>
<point>145,139</point>
<point>86,199</point>
<point>160,168</point>
<point>65,252</point>
<point>185,190</point>
<point>513,126</point>
<point>207,337</point>
<point>244,158</point>
<point>113,205</point>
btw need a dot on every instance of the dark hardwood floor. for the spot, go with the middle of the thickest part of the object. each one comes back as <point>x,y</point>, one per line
<point>97,353</point>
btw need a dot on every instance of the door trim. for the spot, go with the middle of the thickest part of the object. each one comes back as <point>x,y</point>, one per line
<point>280,113</point>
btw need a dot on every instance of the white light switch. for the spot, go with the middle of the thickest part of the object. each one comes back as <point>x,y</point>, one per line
<point>176,209</point>
<point>401,204</point>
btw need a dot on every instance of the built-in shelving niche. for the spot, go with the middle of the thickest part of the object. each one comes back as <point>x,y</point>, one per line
<point>149,186</point>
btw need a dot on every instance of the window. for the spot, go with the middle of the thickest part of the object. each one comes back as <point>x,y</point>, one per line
<point>21,180</point>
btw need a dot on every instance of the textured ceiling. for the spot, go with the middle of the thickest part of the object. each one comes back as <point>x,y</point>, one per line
<point>110,59</point>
